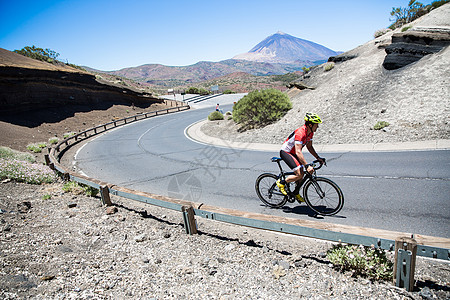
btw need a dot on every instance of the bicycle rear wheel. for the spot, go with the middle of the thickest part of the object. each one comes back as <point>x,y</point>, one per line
<point>268,191</point>
<point>323,196</point>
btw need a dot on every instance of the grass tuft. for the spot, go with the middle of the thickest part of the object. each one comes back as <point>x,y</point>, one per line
<point>24,171</point>
<point>380,125</point>
<point>369,262</point>
<point>79,188</point>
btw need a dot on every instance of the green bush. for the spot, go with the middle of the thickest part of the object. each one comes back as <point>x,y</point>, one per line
<point>34,148</point>
<point>406,28</point>
<point>46,55</point>
<point>415,9</point>
<point>260,108</point>
<point>68,134</point>
<point>437,3</point>
<point>328,66</point>
<point>53,140</point>
<point>404,15</point>
<point>380,125</point>
<point>24,171</point>
<point>37,53</point>
<point>215,115</point>
<point>79,188</point>
<point>8,153</point>
<point>228,92</point>
<point>76,67</point>
<point>194,90</point>
<point>361,260</point>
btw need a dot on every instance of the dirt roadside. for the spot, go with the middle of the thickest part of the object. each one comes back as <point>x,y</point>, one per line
<point>19,130</point>
<point>70,246</point>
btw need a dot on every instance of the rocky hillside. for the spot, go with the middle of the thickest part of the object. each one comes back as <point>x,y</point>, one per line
<point>27,84</point>
<point>357,92</point>
<point>285,48</point>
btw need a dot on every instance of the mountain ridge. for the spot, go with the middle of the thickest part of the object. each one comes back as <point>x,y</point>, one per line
<point>204,70</point>
<point>285,48</point>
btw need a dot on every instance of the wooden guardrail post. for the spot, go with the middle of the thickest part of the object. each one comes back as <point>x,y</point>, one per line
<point>47,159</point>
<point>405,262</point>
<point>66,176</point>
<point>104,193</point>
<point>189,220</point>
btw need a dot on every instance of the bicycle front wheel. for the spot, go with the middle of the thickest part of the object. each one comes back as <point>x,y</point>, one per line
<point>268,191</point>
<point>323,196</point>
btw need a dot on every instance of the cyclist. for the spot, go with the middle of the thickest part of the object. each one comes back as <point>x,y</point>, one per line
<point>291,152</point>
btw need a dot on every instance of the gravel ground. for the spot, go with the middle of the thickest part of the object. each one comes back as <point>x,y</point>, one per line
<point>69,247</point>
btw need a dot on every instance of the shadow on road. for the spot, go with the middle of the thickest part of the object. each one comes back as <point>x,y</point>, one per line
<point>305,210</point>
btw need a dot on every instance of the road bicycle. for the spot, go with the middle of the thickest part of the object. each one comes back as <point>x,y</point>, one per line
<point>322,195</point>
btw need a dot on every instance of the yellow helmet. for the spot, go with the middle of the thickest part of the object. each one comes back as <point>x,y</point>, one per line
<point>314,118</point>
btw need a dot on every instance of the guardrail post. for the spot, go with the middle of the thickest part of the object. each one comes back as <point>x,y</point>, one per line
<point>104,193</point>
<point>189,220</point>
<point>47,159</point>
<point>405,262</point>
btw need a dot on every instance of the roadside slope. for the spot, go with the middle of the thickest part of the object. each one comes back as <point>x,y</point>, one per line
<point>358,92</point>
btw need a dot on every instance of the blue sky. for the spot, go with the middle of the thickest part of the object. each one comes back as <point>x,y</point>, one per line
<point>110,35</point>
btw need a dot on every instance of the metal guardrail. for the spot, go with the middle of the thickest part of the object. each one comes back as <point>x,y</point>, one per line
<point>66,143</point>
<point>215,213</point>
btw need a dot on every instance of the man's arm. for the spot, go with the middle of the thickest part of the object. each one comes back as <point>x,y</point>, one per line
<point>311,150</point>
<point>298,152</point>
<point>301,158</point>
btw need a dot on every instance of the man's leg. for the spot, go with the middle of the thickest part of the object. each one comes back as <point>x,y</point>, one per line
<point>300,175</point>
<point>292,162</point>
<point>291,178</point>
<point>297,177</point>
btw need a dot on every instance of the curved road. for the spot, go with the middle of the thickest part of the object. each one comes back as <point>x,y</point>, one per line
<point>400,191</point>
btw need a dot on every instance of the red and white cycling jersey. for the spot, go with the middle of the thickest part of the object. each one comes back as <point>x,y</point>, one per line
<point>299,136</point>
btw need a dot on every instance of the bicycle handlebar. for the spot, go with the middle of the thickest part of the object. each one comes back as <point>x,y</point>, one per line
<point>314,164</point>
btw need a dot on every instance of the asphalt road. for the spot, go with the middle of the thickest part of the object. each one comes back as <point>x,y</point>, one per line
<point>401,191</point>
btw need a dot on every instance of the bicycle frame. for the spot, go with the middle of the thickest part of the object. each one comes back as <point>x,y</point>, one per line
<point>283,175</point>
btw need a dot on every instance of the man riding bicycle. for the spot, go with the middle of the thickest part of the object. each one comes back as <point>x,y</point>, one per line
<point>291,152</point>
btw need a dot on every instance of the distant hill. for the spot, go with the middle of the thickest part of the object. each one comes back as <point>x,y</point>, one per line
<point>276,55</point>
<point>241,82</point>
<point>284,48</point>
<point>173,76</point>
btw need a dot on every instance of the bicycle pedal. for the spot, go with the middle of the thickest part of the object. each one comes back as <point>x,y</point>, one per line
<point>291,199</point>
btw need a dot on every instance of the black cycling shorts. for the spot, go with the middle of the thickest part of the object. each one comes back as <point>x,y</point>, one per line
<point>291,160</point>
